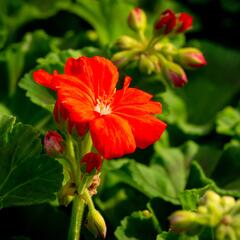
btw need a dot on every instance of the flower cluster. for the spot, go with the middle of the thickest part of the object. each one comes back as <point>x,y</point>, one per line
<point>220,213</point>
<point>158,54</point>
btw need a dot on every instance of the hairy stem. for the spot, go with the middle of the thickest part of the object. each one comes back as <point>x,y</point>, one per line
<point>76,218</point>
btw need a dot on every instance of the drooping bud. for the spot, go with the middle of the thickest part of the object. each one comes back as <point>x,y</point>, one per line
<point>166,23</point>
<point>175,74</point>
<point>95,224</point>
<point>126,42</point>
<point>190,58</point>
<point>183,221</point>
<point>184,22</point>
<point>53,144</point>
<point>92,161</point>
<point>137,20</point>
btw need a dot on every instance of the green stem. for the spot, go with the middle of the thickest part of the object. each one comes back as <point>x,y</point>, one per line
<point>70,155</point>
<point>76,218</point>
<point>88,200</point>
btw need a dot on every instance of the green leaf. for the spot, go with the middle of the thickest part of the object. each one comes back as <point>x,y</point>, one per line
<point>138,226</point>
<point>99,13</point>
<point>174,163</point>
<point>228,121</point>
<point>19,57</point>
<point>175,113</point>
<point>53,61</point>
<point>165,177</point>
<point>151,181</point>
<point>226,173</point>
<point>173,236</point>
<point>26,176</point>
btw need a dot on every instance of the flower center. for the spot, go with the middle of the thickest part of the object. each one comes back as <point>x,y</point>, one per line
<point>103,107</point>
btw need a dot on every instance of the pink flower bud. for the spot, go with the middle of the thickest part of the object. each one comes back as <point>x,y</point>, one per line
<point>190,58</point>
<point>53,144</point>
<point>166,23</point>
<point>175,74</point>
<point>137,20</point>
<point>92,161</point>
<point>184,22</point>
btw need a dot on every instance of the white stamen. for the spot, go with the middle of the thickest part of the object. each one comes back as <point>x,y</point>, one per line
<point>102,108</point>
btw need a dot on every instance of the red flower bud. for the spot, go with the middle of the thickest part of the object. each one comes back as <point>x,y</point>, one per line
<point>175,74</point>
<point>93,161</point>
<point>137,20</point>
<point>190,58</point>
<point>184,22</point>
<point>166,22</point>
<point>53,144</point>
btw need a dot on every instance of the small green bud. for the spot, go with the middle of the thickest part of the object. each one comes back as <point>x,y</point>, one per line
<point>210,197</point>
<point>183,221</point>
<point>202,210</point>
<point>227,203</point>
<point>126,42</point>
<point>146,65</point>
<point>95,224</point>
<point>137,20</point>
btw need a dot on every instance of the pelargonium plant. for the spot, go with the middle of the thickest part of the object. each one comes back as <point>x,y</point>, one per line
<point>107,133</point>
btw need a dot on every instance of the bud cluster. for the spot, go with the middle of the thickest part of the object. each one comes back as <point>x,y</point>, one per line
<point>158,54</point>
<point>220,213</point>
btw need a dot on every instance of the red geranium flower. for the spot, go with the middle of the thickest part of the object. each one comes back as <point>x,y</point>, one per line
<point>118,121</point>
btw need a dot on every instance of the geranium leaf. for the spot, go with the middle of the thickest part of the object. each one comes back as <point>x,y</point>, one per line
<point>228,121</point>
<point>26,176</point>
<point>138,226</point>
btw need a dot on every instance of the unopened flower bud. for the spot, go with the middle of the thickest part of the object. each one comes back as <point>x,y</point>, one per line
<point>95,224</point>
<point>166,23</point>
<point>190,58</point>
<point>137,20</point>
<point>122,58</point>
<point>53,144</point>
<point>210,197</point>
<point>126,42</point>
<point>183,221</point>
<point>227,203</point>
<point>92,161</point>
<point>146,65</point>
<point>184,22</point>
<point>175,74</point>
<point>224,232</point>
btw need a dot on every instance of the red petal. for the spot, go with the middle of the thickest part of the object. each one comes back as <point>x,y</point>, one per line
<point>112,136</point>
<point>77,104</point>
<point>43,78</point>
<point>139,109</point>
<point>130,96</point>
<point>98,73</point>
<point>146,128</point>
